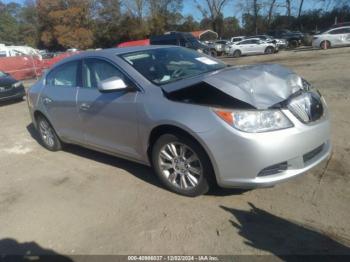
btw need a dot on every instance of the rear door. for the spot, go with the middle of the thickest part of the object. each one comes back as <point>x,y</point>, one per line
<point>109,119</point>
<point>347,35</point>
<point>59,100</point>
<point>338,37</point>
<point>244,46</point>
<point>257,47</point>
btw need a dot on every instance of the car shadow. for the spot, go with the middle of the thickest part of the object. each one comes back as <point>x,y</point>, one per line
<point>11,250</point>
<point>224,192</point>
<point>140,171</point>
<point>265,231</point>
<point>11,102</point>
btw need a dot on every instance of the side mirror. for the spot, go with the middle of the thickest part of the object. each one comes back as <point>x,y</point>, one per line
<point>112,84</point>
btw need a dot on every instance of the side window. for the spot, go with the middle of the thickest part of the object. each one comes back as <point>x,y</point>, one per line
<point>64,76</point>
<point>337,32</point>
<point>183,41</point>
<point>96,70</point>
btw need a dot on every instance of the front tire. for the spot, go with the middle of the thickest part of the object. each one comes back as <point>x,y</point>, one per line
<point>237,54</point>
<point>269,50</point>
<point>182,165</point>
<point>325,45</point>
<point>48,136</point>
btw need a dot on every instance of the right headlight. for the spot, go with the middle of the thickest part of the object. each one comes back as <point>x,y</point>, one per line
<point>255,121</point>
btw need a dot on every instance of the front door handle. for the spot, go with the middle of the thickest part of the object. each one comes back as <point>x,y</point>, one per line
<point>84,106</point>
<point>47,100</point>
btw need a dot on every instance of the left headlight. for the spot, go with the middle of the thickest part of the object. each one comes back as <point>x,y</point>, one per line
<point>17,84</point>
<point>255,121</point>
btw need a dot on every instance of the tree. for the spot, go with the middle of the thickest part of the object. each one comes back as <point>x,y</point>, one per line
<point>271,7</point>
<point>136,8</point>
<point>9,26</point>
<point>29,25</point>
<point>213,9</point>
<point>230,28</point>
<point>189,24</point>
<point>164,15</point>
<point>65,23</point>
<point>107,17</point>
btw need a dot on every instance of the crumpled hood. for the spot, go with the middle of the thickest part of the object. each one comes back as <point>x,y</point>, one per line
<point>261,86</point>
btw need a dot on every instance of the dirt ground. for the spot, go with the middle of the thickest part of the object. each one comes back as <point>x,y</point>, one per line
<point>81,202</point>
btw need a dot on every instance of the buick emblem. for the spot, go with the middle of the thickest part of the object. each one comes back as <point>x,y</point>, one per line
<point>307,107</point>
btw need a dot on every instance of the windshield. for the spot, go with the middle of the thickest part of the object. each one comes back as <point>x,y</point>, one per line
<point>166,65</point>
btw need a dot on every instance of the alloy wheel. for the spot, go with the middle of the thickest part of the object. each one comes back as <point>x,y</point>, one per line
<point>180,165</point>
<point>47,133</point>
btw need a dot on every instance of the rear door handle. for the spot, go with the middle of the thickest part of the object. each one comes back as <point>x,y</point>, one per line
<point>84,106</point>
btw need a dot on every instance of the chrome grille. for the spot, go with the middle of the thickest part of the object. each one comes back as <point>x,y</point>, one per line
<point>307,107</point>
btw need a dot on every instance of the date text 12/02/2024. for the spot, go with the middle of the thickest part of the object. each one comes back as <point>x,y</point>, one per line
<point>173,258</point>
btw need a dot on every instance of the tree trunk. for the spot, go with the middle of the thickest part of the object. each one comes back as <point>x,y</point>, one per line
<point>299,13</point>
<point>255,7</point>
<point>272,5</point>
<point>289,10</point>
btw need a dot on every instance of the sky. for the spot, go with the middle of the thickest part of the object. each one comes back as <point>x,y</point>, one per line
<point>230,9</point>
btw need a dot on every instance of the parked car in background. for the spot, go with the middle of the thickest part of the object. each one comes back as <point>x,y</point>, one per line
<point>294,39</point>
<point>281,43</point>
<point>237,39</point>
<point>339,36</point>
<point>340,25</point>
<point>183,39</point>
<point>251,47</point>
<point>195,120</point>
<point>7,51</point>
<point>220,46</point>
<point>10,88</point>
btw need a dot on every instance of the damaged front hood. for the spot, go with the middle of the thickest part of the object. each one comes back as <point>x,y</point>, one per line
<point>261,86</point>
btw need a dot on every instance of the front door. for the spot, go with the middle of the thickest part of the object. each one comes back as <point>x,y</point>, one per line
<point>109,119</point>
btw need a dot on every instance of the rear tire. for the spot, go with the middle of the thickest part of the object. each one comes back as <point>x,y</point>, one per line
<point>293,44</point>
<point>47,134</point>
<point>325,45</point>
<point>182,165</point>
<point>213,53</point>
<point>237,54</point>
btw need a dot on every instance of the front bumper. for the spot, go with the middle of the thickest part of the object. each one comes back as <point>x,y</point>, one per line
<point>11,94</point>
<point>239,158</point>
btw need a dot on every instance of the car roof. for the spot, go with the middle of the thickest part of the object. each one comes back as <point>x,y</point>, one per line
<point>253,38</point>
<point>340,27</point>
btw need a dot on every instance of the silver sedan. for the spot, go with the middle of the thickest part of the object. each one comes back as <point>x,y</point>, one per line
<point>197,121</point>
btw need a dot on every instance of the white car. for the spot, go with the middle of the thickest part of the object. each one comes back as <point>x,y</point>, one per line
<point>251,47</point>
<point>236,39</point>
<point>333,37</point>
